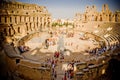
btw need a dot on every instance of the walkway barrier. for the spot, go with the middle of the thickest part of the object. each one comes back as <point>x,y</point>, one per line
<point>79,66</point>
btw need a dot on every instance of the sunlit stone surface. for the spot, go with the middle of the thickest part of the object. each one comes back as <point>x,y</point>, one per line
<point>87,46</point>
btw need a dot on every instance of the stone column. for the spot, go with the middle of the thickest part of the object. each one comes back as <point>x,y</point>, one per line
<point>113,18</point>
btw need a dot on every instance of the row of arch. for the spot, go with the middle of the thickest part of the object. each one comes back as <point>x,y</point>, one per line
<point>105,17</point>
<point>19,19</point>
<point>24,28</point>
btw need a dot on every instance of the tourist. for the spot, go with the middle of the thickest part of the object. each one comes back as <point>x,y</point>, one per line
<point>62,56</point>
<point>56,62</point>
<point>71,74</point>
<point>65,77</point>
<point>21,48</point>
<point>47,43</point>
<point>55,74</point>
<point>57,54</point>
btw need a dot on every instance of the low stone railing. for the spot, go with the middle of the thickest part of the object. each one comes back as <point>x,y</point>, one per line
<point>33,73</point>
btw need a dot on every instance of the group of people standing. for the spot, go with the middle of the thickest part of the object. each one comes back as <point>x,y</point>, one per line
<point>23,48</point>
<point>58,54</point>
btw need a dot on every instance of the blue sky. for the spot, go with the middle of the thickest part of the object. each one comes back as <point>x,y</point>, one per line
<point>67,8</point>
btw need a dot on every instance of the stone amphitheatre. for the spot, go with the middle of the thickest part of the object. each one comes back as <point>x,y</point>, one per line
<point>87,48</point>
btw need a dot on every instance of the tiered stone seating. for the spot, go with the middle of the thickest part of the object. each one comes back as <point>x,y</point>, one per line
<point>93,71</point>
<point>30,63</point>
<point>24,68</point>
<point>94,67</point>
<point>101,63</point>
<point>115,36</point>
<point>79,76</point>
<point>26,29</point>
<point>86,74</point>
<point>32,73</point>
<point>38,70</point>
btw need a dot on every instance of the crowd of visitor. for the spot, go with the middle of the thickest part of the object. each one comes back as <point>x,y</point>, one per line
<point>23,48</point>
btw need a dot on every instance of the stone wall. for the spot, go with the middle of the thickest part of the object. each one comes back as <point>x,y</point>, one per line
<point>19,19</point>
<point>91,14</point>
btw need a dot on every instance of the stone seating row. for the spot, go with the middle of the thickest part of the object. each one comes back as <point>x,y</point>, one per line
<point>93,68</point>
<point>28,70</point>
<point>25,68</point>
<point>91,72</point>
<point>96,71</point>
<point>32,73</point>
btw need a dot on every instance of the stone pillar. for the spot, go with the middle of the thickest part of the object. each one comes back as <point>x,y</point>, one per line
<point>118,17</point>
<point>27,18</point>
<point>43,23</point>
<point>17,19</point>
<point>13,19</point>
<point>32,26</point>
<point>35,19</point>
<point>113,18</point>
<point>2,19</point>
<point>11,31</point>
<point>23,18</point>
<point>107,17</point>
<point>98,18</point>
<point>7,20</point>
<point>31,18</point>
<point>35,26</point>
<point>29,27</point>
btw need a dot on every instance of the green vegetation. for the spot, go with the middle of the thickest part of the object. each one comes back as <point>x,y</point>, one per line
<point>54,24</point>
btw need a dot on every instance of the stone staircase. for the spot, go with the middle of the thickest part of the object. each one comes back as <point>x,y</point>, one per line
<point>60,72</point>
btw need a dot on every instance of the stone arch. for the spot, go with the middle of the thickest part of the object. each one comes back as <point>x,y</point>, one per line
<point>10,31</point>
<point>19,30</point>
<point>20,18</point>
<point>110,17</point>
<point>33,19</point>
<point>37,19</point>
<point>116,18</point>
<point>37,24</point>
<point>35,27</point>
<point>48,24</point>
<point>15,19</point>
<point>5,19</point>
<point>45,24</point>
<point>93,18</point>
<point>10,19</point>
<point>101,18</point>
<point>5,31</point>
<point>85,17</point>
<point>31,26</point>
<point>40,25</point>
<point>40,19</point>
<point>27,28</point>
<point>96,17</point>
